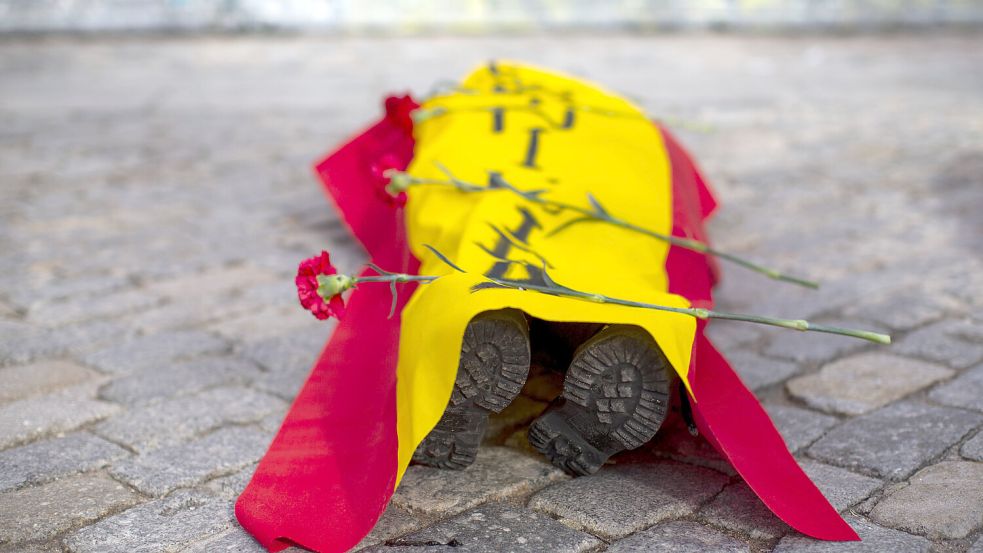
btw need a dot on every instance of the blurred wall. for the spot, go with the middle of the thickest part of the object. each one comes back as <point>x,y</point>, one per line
<point>414,16</point>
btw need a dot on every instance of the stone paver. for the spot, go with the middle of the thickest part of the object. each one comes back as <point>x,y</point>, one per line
<point>150,232</point>
<point>61,411</point>
<point>809,348</point>
<point>800,427</point>
<point>288,353</point>
<point>42,511</point>
<point>874,539</point>
<point>973,448</point>
<point>861,383</point>
<point>393,522</point>
<point>165,469</point>
<point>679,536</point>
<point>894,441</point>
<point>497,473</point>
<point>179,378</point>
<point>739,510</point>
<point>958,343</point>
<point>495,527</point>
<point>940,501</point>
<point>171,422</point>
<point>54,458</point>
<point>964,391</point>
<point>37,378</point>
<point>162,525</point>
<point>63,313</point>
<point>235,540</point>
<point>841,487</point>
<point>673,441</point>
<point>155,351</point>
<point>758,372</point>
<point>623,499</point>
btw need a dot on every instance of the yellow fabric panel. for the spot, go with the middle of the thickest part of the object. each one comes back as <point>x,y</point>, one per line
<point>610,151</point>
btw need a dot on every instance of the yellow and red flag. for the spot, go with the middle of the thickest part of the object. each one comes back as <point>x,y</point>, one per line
<point>382,384</point>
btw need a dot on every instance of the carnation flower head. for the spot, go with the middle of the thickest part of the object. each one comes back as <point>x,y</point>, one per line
<point>319,287</point>
<point>399,111</point>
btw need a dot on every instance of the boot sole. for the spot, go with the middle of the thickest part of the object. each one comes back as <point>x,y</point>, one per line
<point>615,398</point>
<point>495,358</point>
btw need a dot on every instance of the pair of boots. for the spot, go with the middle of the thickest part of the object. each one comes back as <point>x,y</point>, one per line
<point>615,395</point>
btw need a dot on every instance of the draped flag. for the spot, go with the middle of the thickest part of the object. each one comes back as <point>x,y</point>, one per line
<point>381,384</point>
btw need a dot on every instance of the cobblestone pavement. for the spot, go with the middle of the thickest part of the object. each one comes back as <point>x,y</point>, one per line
<point>157,194</point>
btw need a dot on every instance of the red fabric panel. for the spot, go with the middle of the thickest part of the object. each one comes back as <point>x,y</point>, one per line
<point>331,468</point>
<point>727,413</point>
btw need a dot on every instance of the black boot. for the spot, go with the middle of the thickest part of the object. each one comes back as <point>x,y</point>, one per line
<point>494,365</point>
<point>615,397</point>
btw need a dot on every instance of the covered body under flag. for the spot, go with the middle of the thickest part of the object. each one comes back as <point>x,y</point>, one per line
<point>382,383</point>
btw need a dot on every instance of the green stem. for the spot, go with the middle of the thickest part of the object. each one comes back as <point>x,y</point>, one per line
<point>395,277</point>
<point>686,243</point>
<point>553,289</point>
<point>699,313</point>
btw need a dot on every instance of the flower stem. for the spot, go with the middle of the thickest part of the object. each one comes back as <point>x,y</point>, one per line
<point>598,214</point>
<point>395,277</point>
<point>700,313</point>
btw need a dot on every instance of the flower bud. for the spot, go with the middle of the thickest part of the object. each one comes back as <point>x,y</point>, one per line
<point>330,286</point>
<point>398,182</point>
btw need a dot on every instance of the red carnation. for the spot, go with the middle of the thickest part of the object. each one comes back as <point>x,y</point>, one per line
<point>398,110</point>
<point>383,181</point>
<point>308,288</point>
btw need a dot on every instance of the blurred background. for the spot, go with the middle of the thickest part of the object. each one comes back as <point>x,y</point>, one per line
<point>475,16</point>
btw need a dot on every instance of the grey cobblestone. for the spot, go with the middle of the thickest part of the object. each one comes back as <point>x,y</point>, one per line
<point>169,524</point>
<point>964,391</point>
<point>155,351</point>
<point>940,501</point>
<point>223,282</point>
<point>918,309</point>
<point>54,458</point>
<point>623,499</point>
<point>27,294</point>
<point>739,510</point>
<point>973,448</point>
<point>165,469</point>
<point>46,376</point>
<point>43,511</point>
<point>759,372</point>
<point>841,487</point>
<point>673,441</point>
<point>257,325</point>
<point>860,383</point>
<point>229,487</point>
<point>61,411</point>
<point>498,473</point>
<point>679,536</point>
<point>393,522</point>
<point>61,313</point>
<point>894,441</point>
<point>293,353</point>
<point>810,348</point>
<point>495,527</point>
<point>958,343</point>
<point>236,540</point>
<point>799,427</point>
<point>874,539</point>
<point>180,378</point>
<point>172,422</point>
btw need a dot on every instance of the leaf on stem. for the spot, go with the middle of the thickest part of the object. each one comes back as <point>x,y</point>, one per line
<point>443,258</point>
